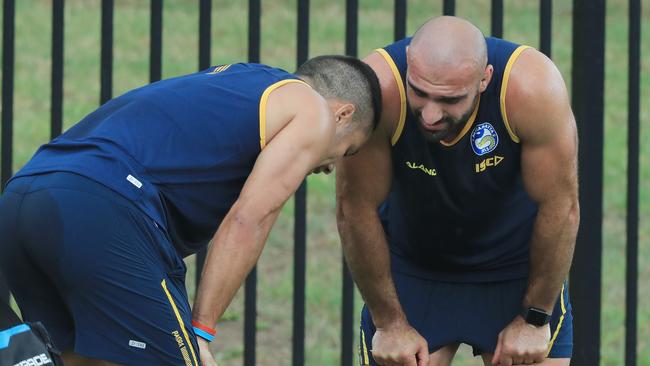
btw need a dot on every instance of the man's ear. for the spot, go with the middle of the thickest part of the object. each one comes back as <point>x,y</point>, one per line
<point>344,113</point>
<point>487,76</point>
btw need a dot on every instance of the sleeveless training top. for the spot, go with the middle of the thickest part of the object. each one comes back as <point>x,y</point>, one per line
<point>458,211</point>
<point>180,149</point>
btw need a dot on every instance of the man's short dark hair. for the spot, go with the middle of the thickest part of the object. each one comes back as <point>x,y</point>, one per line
<point>348,79</point>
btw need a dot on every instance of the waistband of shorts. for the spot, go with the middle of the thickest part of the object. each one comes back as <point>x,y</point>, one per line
<point>66,180</point>
<point>406,266</point>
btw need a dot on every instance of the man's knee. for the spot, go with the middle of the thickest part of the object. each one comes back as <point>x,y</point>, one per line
<point>487,361</point>
<point>443,356</point>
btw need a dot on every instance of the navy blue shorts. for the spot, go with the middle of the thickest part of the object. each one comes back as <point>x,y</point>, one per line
<point>101,276</point>
<point>472,313</point>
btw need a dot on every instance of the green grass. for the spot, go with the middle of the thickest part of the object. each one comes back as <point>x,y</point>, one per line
<point>327,35</point>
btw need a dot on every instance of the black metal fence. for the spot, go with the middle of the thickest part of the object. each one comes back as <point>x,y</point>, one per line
<point>587,95</point>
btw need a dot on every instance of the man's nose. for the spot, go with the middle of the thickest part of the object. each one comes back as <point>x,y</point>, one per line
<point>431,113</point>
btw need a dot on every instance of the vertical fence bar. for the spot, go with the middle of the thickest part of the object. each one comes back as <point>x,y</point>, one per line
<point>254,26</point>
<point>400,19</point>
<point>205,10</point>
<point>8,29</point>
<point>632,267</point>
<point>205,24</point>
<point>588,67</point>
<point>106,78</point>
<point>497,18</point>
<point>347,310</point>
<point>300,217</point>
<point>56,105</point>
<point>449,7</point>
<point>155,48</point>
<point>250,297</point>
<point>545,28</point>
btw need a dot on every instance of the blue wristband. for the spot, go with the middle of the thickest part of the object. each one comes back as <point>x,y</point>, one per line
<point>203,334</point>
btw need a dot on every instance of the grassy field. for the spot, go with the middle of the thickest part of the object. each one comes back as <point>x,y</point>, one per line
<point>327,27</point>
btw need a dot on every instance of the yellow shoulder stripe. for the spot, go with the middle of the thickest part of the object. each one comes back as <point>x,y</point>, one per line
<point>402,95</point>
<point>504,87</point>
<point>181,325</point>
<point>263,101</point>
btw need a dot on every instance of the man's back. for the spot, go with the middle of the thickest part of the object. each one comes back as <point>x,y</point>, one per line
<point>180,149</point>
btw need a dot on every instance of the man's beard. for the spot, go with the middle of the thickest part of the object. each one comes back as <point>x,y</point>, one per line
<point>453,126</point>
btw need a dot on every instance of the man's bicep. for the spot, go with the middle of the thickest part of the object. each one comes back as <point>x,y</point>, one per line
<point>549,155</point>
<point>285,161</point>
<point>550,171</point>
<point>541,113</point>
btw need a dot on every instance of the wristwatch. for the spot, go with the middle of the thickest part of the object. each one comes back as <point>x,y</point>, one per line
<point>536,316</point>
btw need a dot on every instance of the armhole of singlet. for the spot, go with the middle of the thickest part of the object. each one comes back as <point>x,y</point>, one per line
<point>264,99</point>
<point>402,95</point>
<point>504,88</point>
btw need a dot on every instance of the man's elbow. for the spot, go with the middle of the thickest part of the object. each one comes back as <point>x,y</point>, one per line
<point>250,217</point>
<point>574,214</point>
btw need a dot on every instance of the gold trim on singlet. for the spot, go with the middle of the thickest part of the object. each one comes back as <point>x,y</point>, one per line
<point>402,95</point>
<point>263,101</point>
<point>504,88</point>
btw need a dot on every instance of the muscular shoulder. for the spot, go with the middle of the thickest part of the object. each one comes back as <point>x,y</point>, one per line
<point>297,99</point>
<point>536,98</point>
<point>391,99</point>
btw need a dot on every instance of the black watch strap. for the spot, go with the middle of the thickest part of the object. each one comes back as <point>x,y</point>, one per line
<point>536,316</point>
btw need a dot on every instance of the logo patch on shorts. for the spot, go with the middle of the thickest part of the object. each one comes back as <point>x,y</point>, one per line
<point>137,344</point>
<point>484,139</point>
<point>39,360</point>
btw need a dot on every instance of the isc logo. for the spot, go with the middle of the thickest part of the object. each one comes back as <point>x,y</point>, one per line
<point>492,161</point>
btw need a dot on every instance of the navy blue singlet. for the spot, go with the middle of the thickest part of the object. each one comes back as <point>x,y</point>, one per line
<point>458,211</point>
<point>180,149</point>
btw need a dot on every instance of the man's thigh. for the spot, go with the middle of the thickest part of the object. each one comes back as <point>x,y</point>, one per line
<point>117,277</point>
<point>451,313</point>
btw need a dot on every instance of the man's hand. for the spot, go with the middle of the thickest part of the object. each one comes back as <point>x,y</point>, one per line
<point>521,343</point>
<point>399,345</point>
<point>204,352</point>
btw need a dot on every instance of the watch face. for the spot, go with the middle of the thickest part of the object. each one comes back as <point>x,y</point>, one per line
<point>536,317</point>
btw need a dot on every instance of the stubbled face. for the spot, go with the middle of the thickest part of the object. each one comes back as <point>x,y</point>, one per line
<point>442,102</point>
<point>347,142</point>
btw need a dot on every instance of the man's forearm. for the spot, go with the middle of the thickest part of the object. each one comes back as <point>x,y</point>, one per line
<point>367,255</point>
<point>234,251</point>
<point>551,252</point>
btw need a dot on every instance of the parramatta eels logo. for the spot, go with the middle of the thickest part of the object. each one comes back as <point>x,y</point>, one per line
<point>484,139</point>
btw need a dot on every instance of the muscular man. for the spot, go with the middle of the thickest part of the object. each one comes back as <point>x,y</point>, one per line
<point>95,226</point>
<point>459,216</point>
